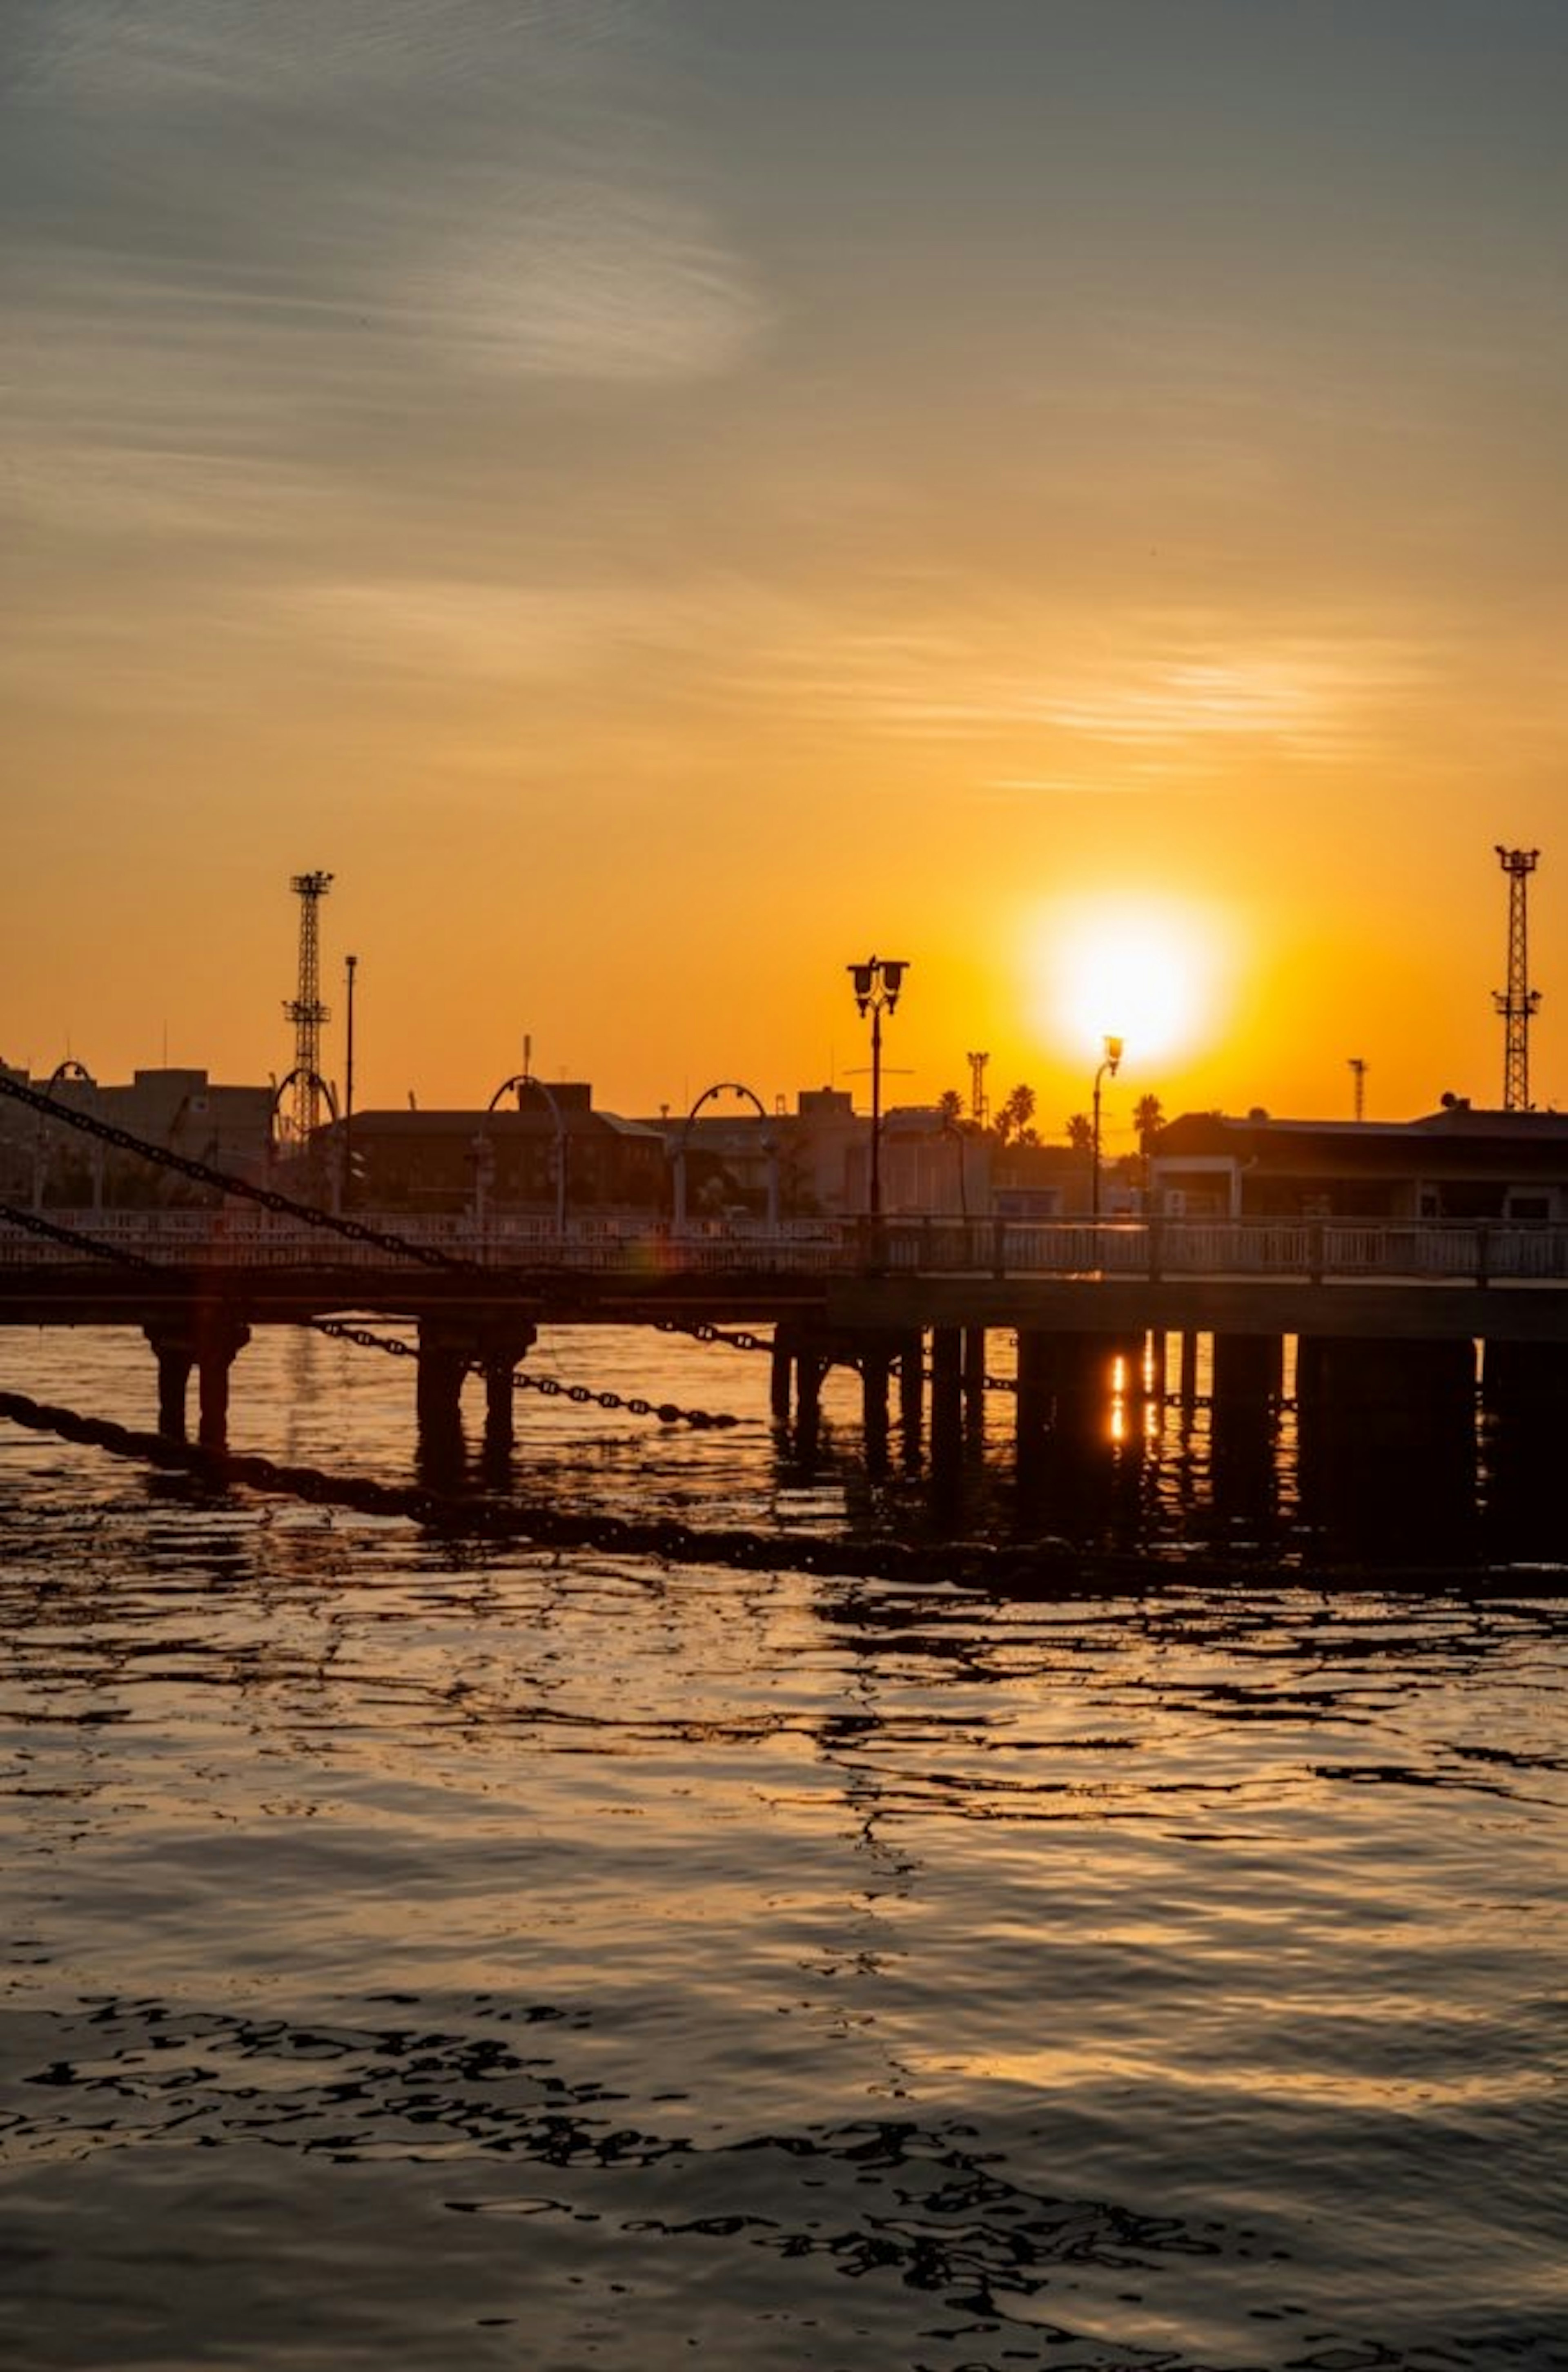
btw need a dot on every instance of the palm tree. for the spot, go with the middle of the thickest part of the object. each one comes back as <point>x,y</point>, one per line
<point>1148,1119</point>
<point>1014,1119</point>
<point>1081,1133</point>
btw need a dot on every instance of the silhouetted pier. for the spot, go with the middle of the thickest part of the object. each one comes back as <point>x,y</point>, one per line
<point>1393,1335</point>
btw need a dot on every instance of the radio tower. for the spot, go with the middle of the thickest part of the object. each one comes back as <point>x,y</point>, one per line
<point>307,1011</point>
<point>978,1107</point>
<point>1518,1000</point>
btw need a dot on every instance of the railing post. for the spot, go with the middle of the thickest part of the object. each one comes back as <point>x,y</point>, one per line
<point>999,1248</point>
<point>1156,1261</point>
<point>1482,1251</point>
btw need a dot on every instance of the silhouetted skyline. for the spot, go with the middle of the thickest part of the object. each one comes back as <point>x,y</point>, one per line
<point>662,499</point>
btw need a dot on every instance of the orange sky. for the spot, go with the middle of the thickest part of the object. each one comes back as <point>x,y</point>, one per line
<point>665,500</point>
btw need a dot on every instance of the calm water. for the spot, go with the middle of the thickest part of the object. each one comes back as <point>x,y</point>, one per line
<point>433,1957</point>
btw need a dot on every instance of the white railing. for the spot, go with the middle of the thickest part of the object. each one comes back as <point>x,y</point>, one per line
<point>1430,1251</point>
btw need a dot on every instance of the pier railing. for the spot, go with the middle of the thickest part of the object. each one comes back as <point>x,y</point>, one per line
<point>1432,1251</point>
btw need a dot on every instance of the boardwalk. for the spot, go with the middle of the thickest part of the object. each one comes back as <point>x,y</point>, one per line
<point>1340,1277</point>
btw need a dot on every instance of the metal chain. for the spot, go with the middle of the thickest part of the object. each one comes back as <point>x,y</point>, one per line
<point>550,1387</point>
<point>739,1338</point>
<point>1042,1569</point>
<point>734,1338</point>
<point>333,1222</point>
<point>668,1539</point>
<point>76,1239</point>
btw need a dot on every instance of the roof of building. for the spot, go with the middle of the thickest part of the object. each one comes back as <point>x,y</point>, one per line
<point>534,1120</point>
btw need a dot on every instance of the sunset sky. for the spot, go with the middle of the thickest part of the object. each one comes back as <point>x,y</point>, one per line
<point>663,498</point>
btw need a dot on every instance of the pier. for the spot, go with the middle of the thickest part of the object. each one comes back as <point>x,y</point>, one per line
<point>1391,1346</point>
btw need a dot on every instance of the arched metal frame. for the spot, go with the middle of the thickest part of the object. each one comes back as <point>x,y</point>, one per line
<point>516,1084</point>
<point>68,1069</point>
<point>770,1146</point>
<point>297,1077</point>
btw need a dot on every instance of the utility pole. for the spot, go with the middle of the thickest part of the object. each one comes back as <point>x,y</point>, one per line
<point>351,965</point>
<point>1519,1001</point>
<point>1358,1072</point>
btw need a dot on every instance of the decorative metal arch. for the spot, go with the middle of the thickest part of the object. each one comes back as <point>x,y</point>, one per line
<point>770,1146</point>
<point>68,1069</point>
<point>301,1077</point>
<point>519,1081</point>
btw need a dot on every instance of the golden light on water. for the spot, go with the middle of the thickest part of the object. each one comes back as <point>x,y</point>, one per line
<point>1150,970</point>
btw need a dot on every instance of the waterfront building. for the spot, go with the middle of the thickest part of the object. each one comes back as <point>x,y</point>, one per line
<point>453,1161</point>
<point>1454,1163</point>
<point>181,1110</point>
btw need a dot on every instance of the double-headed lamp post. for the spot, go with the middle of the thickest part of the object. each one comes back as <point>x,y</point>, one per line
<point>1112,1057</point>
<point>876,983</point>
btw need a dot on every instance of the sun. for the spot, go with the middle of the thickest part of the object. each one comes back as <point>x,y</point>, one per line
<point>1145,969</point>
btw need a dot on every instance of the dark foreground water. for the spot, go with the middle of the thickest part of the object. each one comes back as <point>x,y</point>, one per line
<point>423,1956</point>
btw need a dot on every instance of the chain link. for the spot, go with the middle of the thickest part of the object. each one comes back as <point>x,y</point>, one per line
<point>550,1387</point>
<point>734,1338</point>
<point>331,1222</point>
<point>739,1338</point>
<point>76,1239</point>
<point>1041,1569</point>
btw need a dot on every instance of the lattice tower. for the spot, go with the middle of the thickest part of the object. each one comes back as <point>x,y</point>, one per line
<point>1519,1001</point>
<point>306,1011</point>
<point>979,1108</point>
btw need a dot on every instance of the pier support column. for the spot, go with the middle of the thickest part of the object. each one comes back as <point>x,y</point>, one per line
<point>209,1341</point>
<point>1035,1408</point>
<point>443,1359</point>
<point>1388,1443</point>
<point>1247,1382</point>
<point>1248,1377</point>
<point>912,1394</point>
<point>873,1363</point>
<point>176,1355</point>
<point>501,1353</point>
<point>780,1369</point>
<point>946,1412</point>
<point>1187,1365</point>
<point>1064,1439</point>
<point>974,1380</point>
<point>1525,1423</point>
<point>218,1345</point>
<point>811,1363</point>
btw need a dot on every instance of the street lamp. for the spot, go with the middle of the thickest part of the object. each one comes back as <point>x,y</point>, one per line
<point>876,985</point>
<point>351,965</point>
<point>1112,1057</point>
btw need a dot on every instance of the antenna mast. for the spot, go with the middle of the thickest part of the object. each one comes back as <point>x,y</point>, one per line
<point>1358,1072</point>
<point>305,1009</point>
<point>1519,1001</point>
<point>979,1108</point>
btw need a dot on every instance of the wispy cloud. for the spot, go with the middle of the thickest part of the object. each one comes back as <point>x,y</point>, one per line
<point>245,222</point>
<point>1164,695</point>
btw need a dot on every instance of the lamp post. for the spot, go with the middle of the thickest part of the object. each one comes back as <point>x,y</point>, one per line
<point>876,983</point>
<point>1112,1057</point>
<point>351,965</point>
